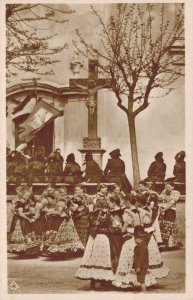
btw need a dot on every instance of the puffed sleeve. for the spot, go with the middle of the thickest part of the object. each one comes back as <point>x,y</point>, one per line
<point>127,217</point>
<point>145,217</point>
<point>174,196</point>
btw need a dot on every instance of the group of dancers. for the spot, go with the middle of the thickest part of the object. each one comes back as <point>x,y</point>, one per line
<point>119,235</point>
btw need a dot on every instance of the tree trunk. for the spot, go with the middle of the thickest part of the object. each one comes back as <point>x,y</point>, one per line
<point>134,153</point>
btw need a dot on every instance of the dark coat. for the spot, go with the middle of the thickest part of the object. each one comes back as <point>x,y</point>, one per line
<point>72,173</point>
<point>157,171</point>
<point>180,171</point>
<point>93,172</point>
<point>115,173</point>
<point>37,171</point>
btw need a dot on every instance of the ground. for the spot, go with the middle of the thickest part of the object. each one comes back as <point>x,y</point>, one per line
<point>45,276</point>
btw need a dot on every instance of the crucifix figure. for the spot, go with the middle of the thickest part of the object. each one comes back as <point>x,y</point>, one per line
<point>90,86</point>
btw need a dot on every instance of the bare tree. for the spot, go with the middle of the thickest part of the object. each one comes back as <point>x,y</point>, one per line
<point>134,53</point>
<point>28,44</point>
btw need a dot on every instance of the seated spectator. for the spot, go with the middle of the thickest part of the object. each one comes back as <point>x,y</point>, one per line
<point>180,167</point>
<point>93,172</point>
<point>157,169</point>
<point>20,170</point>
<point>72,171</point>
<point>55,167</point>
<point>115,171</point>
<point>37,167</point>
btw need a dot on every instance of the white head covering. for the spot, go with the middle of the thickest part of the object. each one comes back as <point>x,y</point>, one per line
<point>21,147</point>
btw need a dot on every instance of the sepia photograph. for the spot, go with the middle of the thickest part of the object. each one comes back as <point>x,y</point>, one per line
<point>95,148</point>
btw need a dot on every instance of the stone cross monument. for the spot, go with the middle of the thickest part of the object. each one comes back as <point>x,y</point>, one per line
<point>90,86</point>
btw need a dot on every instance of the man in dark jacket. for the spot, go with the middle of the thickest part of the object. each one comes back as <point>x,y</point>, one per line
<point>115,171</point>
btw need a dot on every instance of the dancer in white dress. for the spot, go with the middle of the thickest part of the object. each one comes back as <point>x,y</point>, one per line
<point>96,263</point>
<point>126,275</point>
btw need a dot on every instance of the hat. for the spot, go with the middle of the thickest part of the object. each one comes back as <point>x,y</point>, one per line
<point>21,147</point>
<point>70,157</point>
<point>115,153</point>
<point>170,182</point>
<point>88,156</point>
<point>159,155</point>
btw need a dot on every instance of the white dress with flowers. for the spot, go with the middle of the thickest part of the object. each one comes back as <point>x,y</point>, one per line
<point>156,264</point>
<point>96,263</point>
<point>125,275</point>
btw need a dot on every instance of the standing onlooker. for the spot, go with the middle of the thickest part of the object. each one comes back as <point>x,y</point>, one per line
<point>115,171</point>
<point>169,198</point>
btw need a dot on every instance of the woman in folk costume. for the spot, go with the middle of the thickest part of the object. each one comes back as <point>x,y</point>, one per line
<point>80,191</point>
<point>96,264</point>
<point>167,219</point>
<point>66,241</point>
<point>115,228</point>
<point>50,224</point>
<point>80,216</point>
<point>24,240</point>
<point>152,201</point>
<point>19,198</point>
<point>115,171</point>
<point>116,191</point>
<point>72,171</point>
<point>125,275</point>
<point>156,264</point>
<point>93,172</point>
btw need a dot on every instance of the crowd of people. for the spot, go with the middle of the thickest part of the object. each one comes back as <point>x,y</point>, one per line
<point>23,168</point>
<point>120,235</point>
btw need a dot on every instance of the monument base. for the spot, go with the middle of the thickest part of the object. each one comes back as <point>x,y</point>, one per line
<point>96,153</point>
<point>91,143</point>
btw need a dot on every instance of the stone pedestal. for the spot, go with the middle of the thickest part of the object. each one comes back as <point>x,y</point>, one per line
<point>93,145</point>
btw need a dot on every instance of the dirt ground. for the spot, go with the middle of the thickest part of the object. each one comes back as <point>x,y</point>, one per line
<point>45,276</point>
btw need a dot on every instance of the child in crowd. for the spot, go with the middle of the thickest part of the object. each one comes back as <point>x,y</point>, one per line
<point>141,256</point>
